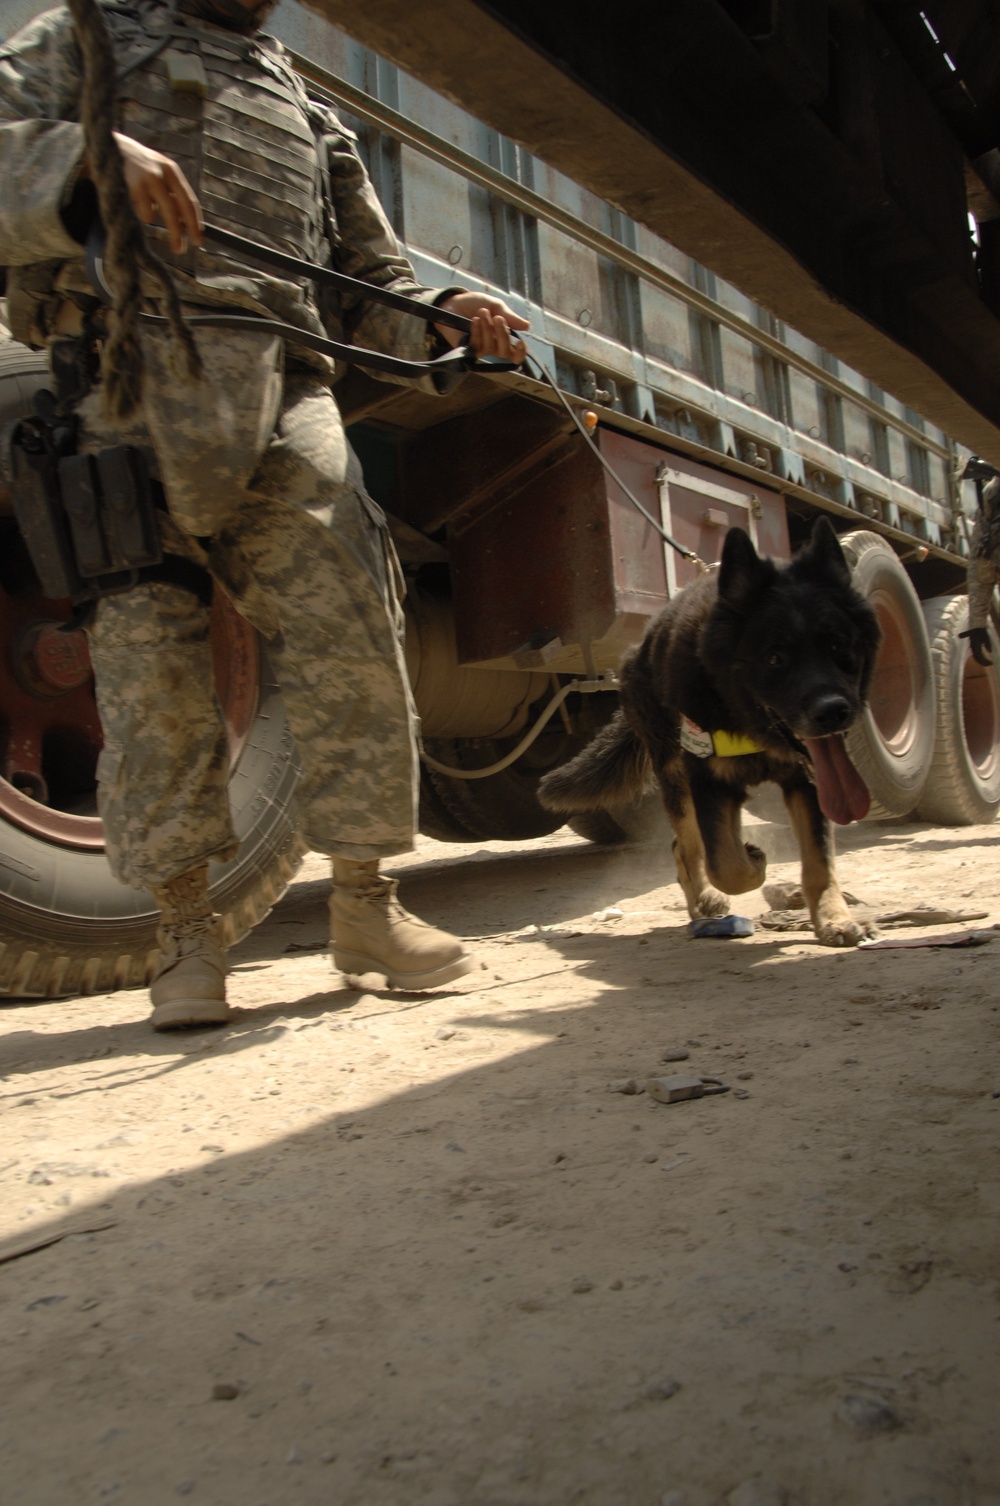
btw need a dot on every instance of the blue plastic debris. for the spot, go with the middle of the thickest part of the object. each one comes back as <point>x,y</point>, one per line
<point>722,926</point>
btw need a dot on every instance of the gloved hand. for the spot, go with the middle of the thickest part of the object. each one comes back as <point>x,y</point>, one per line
<point>979,643</point>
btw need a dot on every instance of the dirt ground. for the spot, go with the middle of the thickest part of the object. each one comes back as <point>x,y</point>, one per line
<point>371,1249</point>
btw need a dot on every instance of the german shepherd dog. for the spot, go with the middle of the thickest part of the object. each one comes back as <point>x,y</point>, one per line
<point>751,673</point>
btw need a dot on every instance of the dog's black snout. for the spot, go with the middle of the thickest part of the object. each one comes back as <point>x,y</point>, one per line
<point>831,713</point>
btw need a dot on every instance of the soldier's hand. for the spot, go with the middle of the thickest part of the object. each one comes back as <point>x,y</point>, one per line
<point>492,326</point>
<point>979,644</point>
<point>159,191</point>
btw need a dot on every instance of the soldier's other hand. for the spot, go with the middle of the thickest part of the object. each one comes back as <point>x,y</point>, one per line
<point>159,191</point>
<point>493,324</point>
<point>979,643</point>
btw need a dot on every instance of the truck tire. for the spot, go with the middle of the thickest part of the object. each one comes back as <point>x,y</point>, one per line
<point>892,742</point>
<point>629,825</point>
<point>436,820</point>
<point>68,927</point>
<point>503,807</point>
<point>964,783</point>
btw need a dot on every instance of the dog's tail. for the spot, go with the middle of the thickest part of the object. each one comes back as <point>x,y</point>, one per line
<point>612,770</point>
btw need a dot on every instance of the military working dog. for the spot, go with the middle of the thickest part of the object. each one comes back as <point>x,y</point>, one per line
<point>752,673</point>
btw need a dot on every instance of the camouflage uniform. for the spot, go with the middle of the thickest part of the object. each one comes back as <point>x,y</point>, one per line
<point>984,558</point>
<point>297,545</point>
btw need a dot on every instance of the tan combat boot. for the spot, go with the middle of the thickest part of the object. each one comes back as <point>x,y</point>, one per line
<point>371,932</point>
<point>190,985</point>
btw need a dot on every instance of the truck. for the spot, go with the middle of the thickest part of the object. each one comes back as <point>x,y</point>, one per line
<point>529,567</point>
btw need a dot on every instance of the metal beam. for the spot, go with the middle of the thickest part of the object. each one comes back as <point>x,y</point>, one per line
<point>842,213</point>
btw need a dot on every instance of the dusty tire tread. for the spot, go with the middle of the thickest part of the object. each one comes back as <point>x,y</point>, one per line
<point>893,792</point>
<point>949,797</point>
<point>30,971</point>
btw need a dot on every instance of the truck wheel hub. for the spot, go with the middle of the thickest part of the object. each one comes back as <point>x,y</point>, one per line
<point>49,661</point>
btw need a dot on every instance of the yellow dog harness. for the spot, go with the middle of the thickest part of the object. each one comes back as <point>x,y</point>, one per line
<point>702,744</point>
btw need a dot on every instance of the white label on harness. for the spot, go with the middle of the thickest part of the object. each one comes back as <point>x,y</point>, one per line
<point>695,740</point>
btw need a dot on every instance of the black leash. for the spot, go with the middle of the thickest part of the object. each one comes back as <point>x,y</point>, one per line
<point>327,277</point>
<point>447,370</point>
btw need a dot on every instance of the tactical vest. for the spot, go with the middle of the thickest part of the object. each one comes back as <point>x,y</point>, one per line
<point>236,119</point>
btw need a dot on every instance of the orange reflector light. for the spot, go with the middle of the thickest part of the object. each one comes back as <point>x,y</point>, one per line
<point>590,420</point>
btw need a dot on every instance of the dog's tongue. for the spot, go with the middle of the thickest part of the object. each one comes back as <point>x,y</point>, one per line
<point>843,795</point>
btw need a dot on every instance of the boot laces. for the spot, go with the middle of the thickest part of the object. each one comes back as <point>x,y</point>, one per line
<point>183,938</point>
<point>382,894</point>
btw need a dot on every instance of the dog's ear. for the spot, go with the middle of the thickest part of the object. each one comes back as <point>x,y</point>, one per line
<point>823,555</point>
<point>742,572</point>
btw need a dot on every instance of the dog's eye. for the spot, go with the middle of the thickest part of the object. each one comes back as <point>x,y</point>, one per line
<point>777,659</point>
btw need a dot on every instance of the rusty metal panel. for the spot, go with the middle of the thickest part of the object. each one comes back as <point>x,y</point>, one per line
<point>464,466</point>
<point>640,575</point>
<point>697,506</point>
<point>535,572</point>
<point>700,504</point>
<point>569,559</point>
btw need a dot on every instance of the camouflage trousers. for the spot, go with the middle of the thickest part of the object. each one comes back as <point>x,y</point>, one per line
<point>305,556</point>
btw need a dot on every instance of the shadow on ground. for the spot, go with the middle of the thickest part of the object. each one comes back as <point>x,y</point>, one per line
<point>495,1282</point>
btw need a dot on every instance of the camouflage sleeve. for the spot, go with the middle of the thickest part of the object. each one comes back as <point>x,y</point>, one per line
<point>367,249</point>
<point>984,574</point>
<point>41,144</point>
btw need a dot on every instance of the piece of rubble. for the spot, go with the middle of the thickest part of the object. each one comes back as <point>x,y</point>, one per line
<point>788,895</point>
<point>662,1390</point>
<point>682,1086</point>
<point>928,915</point>
<point>868,1415</point>
<point>628,1085</point>
<point>675,1054</point>
<point>757,1493</point>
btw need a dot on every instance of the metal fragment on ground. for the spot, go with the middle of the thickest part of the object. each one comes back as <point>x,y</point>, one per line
<point>682,1086</point>
<point>721,927</point>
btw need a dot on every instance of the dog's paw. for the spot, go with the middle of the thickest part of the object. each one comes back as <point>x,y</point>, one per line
<point>840,931</point>
<point>710,902</point>
<point>836,926</point>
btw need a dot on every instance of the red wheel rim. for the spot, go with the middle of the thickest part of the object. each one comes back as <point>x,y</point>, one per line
<point>981,715</point>
<point>893,697</point>
<point>50,732</point>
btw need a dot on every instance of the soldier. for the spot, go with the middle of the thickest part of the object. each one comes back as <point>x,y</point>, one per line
<point>264,496</point>
<point>984,560</point>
